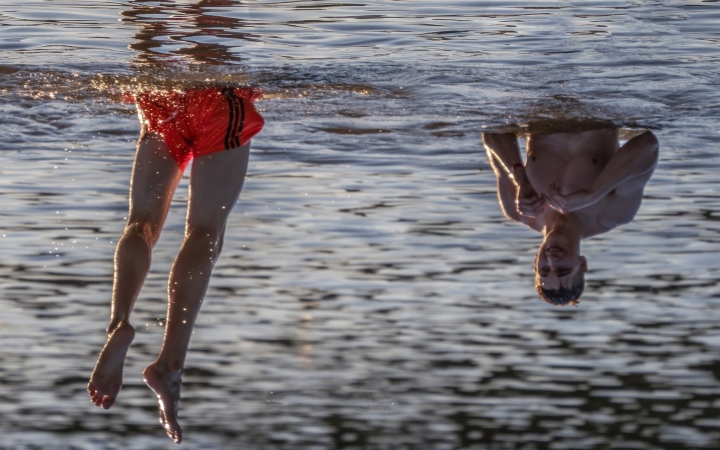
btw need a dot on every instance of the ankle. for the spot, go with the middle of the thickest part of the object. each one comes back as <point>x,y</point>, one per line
<point>167,368</point>
<point>116,325</point>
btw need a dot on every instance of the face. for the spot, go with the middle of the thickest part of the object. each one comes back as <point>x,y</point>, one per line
<point>557,263</point>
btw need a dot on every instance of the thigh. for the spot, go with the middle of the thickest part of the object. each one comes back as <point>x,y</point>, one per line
<point>154,180</point>
<point>215,184</point>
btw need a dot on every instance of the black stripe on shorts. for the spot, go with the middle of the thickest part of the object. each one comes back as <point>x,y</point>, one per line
<point>232,107</point>
<point>236,120</point>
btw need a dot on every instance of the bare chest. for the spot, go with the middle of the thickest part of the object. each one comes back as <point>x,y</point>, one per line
<point>572,161</point>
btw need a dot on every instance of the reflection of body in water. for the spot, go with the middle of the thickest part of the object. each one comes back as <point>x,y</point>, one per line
<point>573,185</point>
<point>190,31</point>
<point>212,126</point>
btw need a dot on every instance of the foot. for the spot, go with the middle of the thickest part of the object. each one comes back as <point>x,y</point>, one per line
<point>106,379</point>
<point>166,383</point>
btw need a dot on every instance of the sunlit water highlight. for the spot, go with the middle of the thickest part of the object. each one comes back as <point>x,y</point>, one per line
<point>370,293</point>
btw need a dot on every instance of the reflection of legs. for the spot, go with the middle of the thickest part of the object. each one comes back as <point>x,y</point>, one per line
<point>154,179</point>
<point>215,184</point>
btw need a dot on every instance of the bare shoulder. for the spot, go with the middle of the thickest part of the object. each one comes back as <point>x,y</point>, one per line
<point>619,209</point>
<point>645,147</point>
<point>621,204</point>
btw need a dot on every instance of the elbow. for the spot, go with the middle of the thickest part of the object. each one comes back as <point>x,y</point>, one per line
<point>498,140</point>
<point>491,138</point>
<point>648,147</point>
<point>649,140</point>
<point>488,139</point>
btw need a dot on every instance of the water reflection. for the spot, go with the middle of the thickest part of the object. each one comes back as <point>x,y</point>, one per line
<point>386,233</point>
<point>211,126</point>
<point>171,32</point>
<point>576,182</point>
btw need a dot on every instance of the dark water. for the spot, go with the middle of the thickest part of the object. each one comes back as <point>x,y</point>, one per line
<point>370,294</point>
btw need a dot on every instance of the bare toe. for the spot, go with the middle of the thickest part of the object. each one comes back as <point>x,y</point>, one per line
<point>176,436</point>
<point>172,427</point>
<point>166,385</point>
<point>106,379</point>
<point>107,402</point>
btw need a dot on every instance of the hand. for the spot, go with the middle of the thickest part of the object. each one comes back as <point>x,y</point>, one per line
<point>529,203</point>
<point>570,202</point>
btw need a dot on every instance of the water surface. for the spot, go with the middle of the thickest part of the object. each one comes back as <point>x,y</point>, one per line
<point>370,294</point>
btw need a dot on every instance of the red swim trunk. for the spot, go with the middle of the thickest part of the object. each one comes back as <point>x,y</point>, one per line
<point>197,122</point>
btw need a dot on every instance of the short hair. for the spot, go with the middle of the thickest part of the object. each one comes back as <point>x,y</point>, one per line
<point>563,296</point>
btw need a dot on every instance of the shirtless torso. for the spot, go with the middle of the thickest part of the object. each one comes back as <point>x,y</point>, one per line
<point>577,162</point>
<point>574,161</point>
<point>571,186</point>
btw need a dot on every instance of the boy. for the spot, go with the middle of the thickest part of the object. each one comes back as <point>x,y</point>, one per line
<point>573,185</point>
<point>214,126</point>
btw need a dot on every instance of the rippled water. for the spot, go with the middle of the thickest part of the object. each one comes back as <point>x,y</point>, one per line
<point>370,294</point>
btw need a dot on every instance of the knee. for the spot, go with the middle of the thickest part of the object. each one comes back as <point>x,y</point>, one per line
<point>116,324</point>
<point>141,229</point>
<point>208,238</point>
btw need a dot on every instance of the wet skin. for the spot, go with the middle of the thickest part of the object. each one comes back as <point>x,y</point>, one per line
<point>215,184</point>
<point>570,187</point>
<point>166,385</point>
<point>106,379</point>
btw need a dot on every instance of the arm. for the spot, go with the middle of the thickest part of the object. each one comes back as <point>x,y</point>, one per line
<point>504,147</point>
<point>627,196</point>
<point>507,190</point>
<point>625,175</point>
<point>513,184</point>
<point>631,167</point>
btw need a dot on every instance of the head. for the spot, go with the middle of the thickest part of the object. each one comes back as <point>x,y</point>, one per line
<point>560,271</point>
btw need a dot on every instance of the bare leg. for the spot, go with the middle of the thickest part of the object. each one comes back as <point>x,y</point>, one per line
<point>154,180</point>
<point>215,185</point>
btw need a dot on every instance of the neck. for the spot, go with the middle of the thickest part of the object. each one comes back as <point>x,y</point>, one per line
<point>565,225</point>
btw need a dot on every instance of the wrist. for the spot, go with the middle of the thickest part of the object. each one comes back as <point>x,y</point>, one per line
<point>518,173</point>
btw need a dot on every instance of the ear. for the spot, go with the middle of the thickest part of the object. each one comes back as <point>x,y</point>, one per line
<point>583,264</point>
